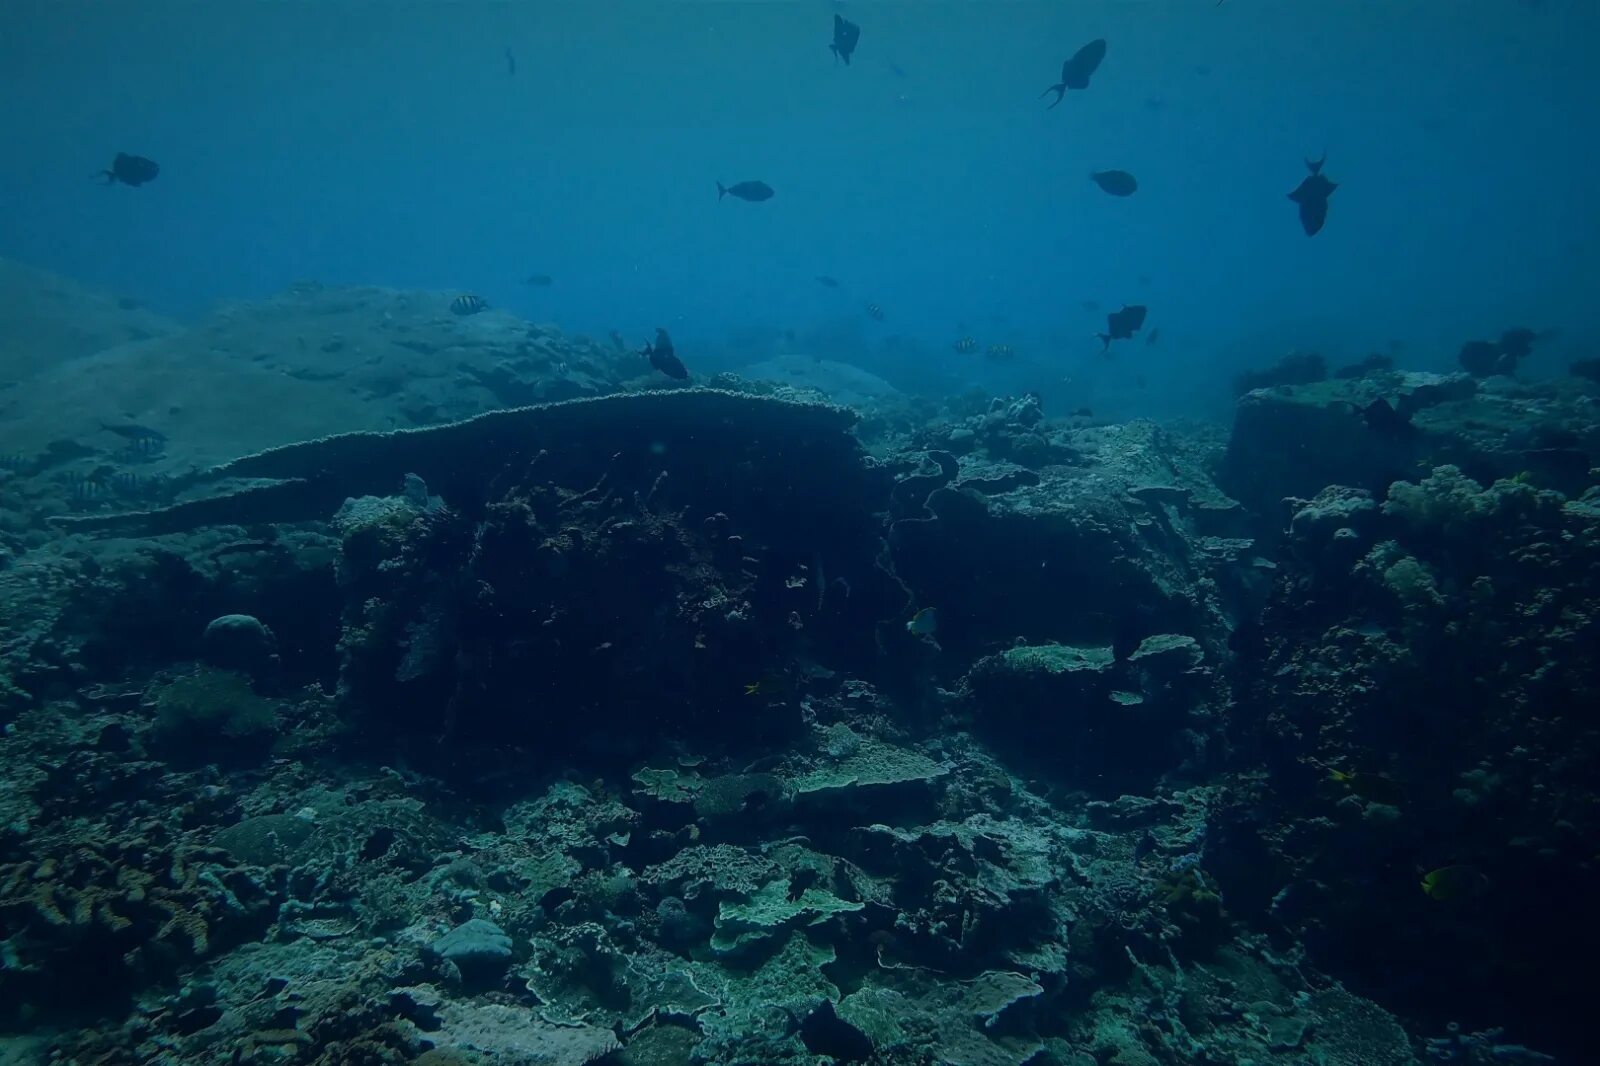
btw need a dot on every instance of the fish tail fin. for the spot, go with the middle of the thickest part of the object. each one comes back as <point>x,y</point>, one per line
<point>1105,342</point>
<point>722,190</point>
<point>1059,89</point>
<point>1315,165</point>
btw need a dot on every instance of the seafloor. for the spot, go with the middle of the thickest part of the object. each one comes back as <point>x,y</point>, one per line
<point>348,722</point>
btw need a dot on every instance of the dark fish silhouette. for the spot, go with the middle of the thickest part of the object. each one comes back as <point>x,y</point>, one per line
<point>468,304</point>
<point>845,36</point>
<point>1483,358</point>
<point>511,62</point>
<point>540,280</point>
<point>966,346</point>
<point>1075,72</point>
<point>1312,197</point>
<point>1384,419</point>
<point>754,191</point>
<point>130,170</point>
<point>875,312</point>
<point>826,282</point>
<point>1153,336</point>
<point>663,358</point>
<point>1122,325</point>
<point>1115,182</point>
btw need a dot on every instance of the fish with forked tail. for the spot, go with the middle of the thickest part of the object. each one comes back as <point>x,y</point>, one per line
<point>129,170</point>
<point>1076,71</point>
<point>1311,195</point>
<point>1122,325</point>
<point>846,34</point>
<point>663,358</point>
<point>753,191</point>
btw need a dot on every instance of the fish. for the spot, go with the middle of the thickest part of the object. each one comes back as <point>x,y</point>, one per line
<point>1517,343</point>
<point>1115,182</point>
<point>468,304</point>
<point>924,623</point>
<point>875,312</point>
<point>1153,336</point>
<point>1075,72</point>
<point>1378,788</point>
<point>966,345</point>
<point>999,351</point>
<point>826,282</point>
<point>1122,325</point>
<point>663,358</point>
<point>1381,417</point>
<point>511,63</point>
<point>1454,883</point>
<point>130,170</point>
<point>753,191</point>
<point>846,34</point>
<point>1312,197</point>
<point>541,280</point>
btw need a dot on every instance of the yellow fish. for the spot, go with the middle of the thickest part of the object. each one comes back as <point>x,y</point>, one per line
<point>1374,787</point>
<point>1454,882</point>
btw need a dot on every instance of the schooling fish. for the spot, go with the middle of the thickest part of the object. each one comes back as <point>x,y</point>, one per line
<point>1122,325</point>
<point>999,351</point>
<point>845,36</point>
<point>966,345</point>
<point>1312,196</point>
<point>468,304</point>
<point>1115,182</point>
<point>663,358</point>
<point>1075,72</point>
<point>754,191</point>
<point>130,170</point>
<point>875,312</point>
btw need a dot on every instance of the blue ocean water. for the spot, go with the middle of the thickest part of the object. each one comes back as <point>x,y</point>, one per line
<point>381,144</point>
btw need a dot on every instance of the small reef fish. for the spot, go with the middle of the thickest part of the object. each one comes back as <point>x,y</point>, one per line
<point>1374,787</point>
<point>924,623</point>
<point>966,345</point>
<point>468,304</point>
<point>846,35</point>
<point>1075,72</point>
<point>663,358</point>
<point>142,439</point>
<point>1122,325</point>
<point>999,351</point>
<point>826,282</point>
<point>540,280</point>
<point>875,312</point>
<point>1311,195</point>
<point>753,191</point>
<point>1115,182</point>
<point>1454,883</point>
<point>130,170</point>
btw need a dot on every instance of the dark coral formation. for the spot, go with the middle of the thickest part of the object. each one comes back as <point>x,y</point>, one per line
<point>594,730</point>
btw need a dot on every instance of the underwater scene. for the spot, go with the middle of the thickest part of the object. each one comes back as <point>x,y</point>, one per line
<point>798,532</point>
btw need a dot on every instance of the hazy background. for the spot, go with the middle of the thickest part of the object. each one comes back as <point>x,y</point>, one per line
<point>388,144</point>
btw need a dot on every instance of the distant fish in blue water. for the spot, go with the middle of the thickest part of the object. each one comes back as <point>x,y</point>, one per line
<point>511,62</point>
<point>541,280</point>
<point>875,312</point>
<point>1153,336</point>
<point>754,191</point>
<point>846,34</point>
<point>663,358</point>
<point>1076,72</point>
<point>468,304</point>
<point>999,351</point>
<point>966,346</point>
<point>1115,182</point>
<point>130,170</point>
<point>1122,325</point>
<point>827,282</point>
<point>1312,197</point>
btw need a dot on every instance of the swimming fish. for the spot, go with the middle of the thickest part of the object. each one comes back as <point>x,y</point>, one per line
<point>924,623</point>
<point>1075,72</point>
<point>1454,882</point>
<point>845,36</point>
<point>1122,325</point>
<point>999,351</point>
<point>1115,182</point>
<point>540,280</point>
<point>966,345</point>
<point>511,62</point>
<point>826,282</point>
<point>468,304</point>
<point>1152,336</point>
<point>1312,196</point>
<point>1383,418</point>
<point>754,191</point>
<point>130,170</point>
<point>875,312</point>
<point>1378,788</point>
<point>663,358</point>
